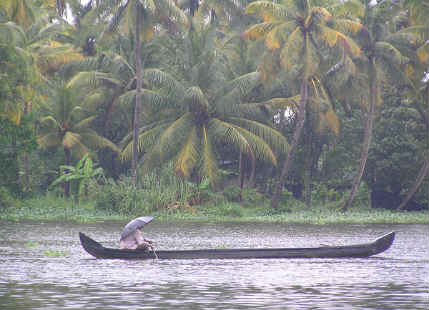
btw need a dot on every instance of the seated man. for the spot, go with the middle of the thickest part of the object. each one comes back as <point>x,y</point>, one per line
<point>135,241</point>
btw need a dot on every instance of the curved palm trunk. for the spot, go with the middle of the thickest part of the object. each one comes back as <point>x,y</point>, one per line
<point>241,175</point>
<point>372,73</point>
<point>425,168</point>
<point>420,178</point>
<point>295,139</point>
<point>67,154</point>
<point>308,164</point>
<point>253,172</point>
<point>136,123</point>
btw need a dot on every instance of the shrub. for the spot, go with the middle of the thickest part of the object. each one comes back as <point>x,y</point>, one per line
<point>287,197</point>
<point>121,197</point>
<point>6,199</point>
<point>227,210</point>
<point>321,194</point>
<point>251,197</point>
<point>232,193</point>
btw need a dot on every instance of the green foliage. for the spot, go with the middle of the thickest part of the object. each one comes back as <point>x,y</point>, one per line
<point>55,253</point>
<point>7,200</point>
<point>13,73</point>
<point>80,176</point>
<point>31,244</point>
<point>398,149</point>
<point>209,95</point>
<point>15,140</point>
<point>321,194</point>
<point>252,198</point>
<point>232,193</point>
<point>160,190</point>
<point>227,210</point>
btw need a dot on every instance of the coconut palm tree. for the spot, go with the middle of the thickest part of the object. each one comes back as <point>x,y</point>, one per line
<point>298,32</point>
<point>206,113</point>
<point>44,55</point>
<point>21,12</point>
<point>140,18</point>
<point>418,74</point>
<point>383,50</point>
<point>64,124</point>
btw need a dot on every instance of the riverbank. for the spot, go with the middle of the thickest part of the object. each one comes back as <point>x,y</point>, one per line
<point>49,209</point>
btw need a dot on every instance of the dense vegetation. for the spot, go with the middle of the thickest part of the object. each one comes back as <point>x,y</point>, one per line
<point>214,106</point>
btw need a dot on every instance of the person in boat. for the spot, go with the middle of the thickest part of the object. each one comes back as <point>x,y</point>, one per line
<point>133,238</point>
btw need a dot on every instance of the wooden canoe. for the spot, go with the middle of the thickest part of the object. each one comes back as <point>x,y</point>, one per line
<point>359,250</point>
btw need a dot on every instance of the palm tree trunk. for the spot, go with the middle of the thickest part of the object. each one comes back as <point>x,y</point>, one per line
<point>373,87</point>
<point>308,164</point>
<point>67,155</point>
<point>420,178</point>
<point>241,175</point>
<point>424,170</point>
<point>136,123</point>
<point>253,173</point>
<point>295,139</point>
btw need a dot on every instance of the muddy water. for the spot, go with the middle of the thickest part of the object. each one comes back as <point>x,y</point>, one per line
<point>42,266</point>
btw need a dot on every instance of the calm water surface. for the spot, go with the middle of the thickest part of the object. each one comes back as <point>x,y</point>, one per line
<point>31,279</point>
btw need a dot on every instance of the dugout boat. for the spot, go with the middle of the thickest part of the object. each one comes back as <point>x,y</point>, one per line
<point>378,246</point>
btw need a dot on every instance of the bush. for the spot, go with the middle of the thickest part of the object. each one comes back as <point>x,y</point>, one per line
<point>225,210</point>
<point>6,199</point>
<point>232,193</point>
<point>120,197</point>
<point>322,195</point>
<point>253,198</point>
<point>160,190</point>
<point>286,198</point>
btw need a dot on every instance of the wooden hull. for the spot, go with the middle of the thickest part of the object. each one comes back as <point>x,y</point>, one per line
<point>359,250</point>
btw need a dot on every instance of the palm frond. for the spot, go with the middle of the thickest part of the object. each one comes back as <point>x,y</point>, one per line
<point>389,53</point>
<point>49,121</point>
<point>275,38</point>
<point>292,50</point>
<point>128,98</point>
<point>348,26</point>
<point>349,9</point>
<point>273,137</point>
<point>423,53</point>
<point>268,11</point>
<point>155,99</point>
<point>260,30</point>
<point>79,149</point>
<point>174,13</point>
<point>83,124</point>
<point>70,139</point>
<point>91,138</point>
<point>148,137</point>
<point>48,140</point>
<point>336,38</point>
<point>260,148</point>
<point>195,97</point>
<point>167,82</point>
<point>230,134</point>
<point>243,85</point>
<point>172,138</point>
<point>91,80</point>
<point>188,157</point>
<point>209,167</point>
<point>12,33</point>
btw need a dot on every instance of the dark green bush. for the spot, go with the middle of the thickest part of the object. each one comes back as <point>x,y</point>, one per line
<point>119,197</point>
<point>6,199</point>
<point>232,193</point>
<point>253,198</point>
<point>226,210</point>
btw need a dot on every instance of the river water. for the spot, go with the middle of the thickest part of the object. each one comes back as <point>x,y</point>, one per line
<point>42,266</point>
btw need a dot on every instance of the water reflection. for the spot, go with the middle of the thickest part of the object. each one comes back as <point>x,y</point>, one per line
<point>397,279</point>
